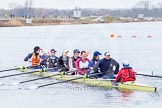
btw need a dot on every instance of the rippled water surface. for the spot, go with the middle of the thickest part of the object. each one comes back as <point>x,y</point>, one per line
<point>143,53</point>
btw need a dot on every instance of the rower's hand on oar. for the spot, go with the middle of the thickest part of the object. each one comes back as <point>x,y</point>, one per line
<point>55,64</point>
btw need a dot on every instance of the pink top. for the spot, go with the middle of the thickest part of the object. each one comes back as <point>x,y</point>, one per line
<point>82,66</point>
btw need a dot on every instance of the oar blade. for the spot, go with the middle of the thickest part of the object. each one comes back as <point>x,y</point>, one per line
<point>33,88</point>
<point>16,83</point>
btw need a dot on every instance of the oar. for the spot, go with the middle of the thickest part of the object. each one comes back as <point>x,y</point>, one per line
<point>84,76</point>
<point>40,70</point>
<point>21,67</point>
<point>62,73</point>
<point>156,76</point>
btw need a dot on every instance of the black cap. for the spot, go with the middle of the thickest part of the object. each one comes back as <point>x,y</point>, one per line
<point>37,48</point>
<point>53,50</point>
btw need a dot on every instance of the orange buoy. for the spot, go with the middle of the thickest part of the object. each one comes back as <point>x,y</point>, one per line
<point>112,35</point>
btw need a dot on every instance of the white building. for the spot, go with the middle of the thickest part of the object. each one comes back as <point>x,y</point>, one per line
<point>77,13</point>
<point>141,16</point>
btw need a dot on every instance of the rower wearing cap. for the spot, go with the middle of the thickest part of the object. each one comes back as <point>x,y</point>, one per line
<point>51,61</point>
<point>82,63</point>
<point>34,57</point>
<point>73,59</point>
<point>44,54</point>
<point>126,73</point>
<point>107,66</point>
<point>93,62</point>
<point>63,61</point>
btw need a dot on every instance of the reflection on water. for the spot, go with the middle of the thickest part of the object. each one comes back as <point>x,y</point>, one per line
<point>125,94</point>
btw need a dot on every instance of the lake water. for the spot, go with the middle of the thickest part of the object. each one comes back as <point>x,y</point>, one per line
<point>143,53</point>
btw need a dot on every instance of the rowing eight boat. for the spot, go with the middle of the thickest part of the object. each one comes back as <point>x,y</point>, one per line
<point>98,82</point>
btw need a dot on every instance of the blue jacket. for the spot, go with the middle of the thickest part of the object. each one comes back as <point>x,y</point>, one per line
<point>28,57</point>
<point>107,66</point>
<point>92,63</point>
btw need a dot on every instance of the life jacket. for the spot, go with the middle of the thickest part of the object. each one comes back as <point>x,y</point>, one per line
<point>126,74</point>
<point>35,60</point>
<point>63,61</point>
<point>52,60</point>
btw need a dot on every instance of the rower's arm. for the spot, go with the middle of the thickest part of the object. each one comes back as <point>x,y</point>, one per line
<point>95,68</point>
<point>77,64</point>
<point>134,75</point>
<point>28,57</point>
<point>60,62</point>
<point>70,63</point>
<point>116,66</point>
<point>118,77</point>
<point>56,62</point>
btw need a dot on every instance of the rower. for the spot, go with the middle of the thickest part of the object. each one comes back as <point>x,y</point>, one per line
<point>63,61</point>
<point>107,67</point>
<point>73,59</point>
<point>51,61</point>
<point>82,63</point>
<point>34,58</point>
<point>126,73</point>
<point>93,62</point>
<point>44,54</point>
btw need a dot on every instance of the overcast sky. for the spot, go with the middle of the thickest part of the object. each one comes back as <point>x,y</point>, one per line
<point>70,4</point>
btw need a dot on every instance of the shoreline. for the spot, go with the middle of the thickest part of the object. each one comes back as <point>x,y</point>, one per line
<point>49,22</point>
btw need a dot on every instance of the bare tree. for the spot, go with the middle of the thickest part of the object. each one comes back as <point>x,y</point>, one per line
<point>146,4</point>
<point>28,8</point>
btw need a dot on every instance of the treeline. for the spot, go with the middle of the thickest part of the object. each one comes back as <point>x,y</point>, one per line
<point>40,12</point>
<point>142,7</point>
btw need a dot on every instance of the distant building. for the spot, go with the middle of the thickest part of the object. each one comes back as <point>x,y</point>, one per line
<point>141,16</point>
<point>77,13</point>
<point>28,21</point>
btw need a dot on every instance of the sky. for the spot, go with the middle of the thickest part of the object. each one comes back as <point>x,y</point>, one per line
<point>71,4</point>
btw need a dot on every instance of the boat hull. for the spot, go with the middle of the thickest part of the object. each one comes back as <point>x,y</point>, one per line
<point>99,82</point>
